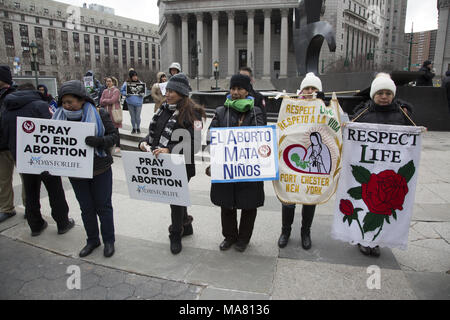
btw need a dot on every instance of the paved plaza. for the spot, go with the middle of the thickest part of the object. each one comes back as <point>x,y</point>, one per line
<point>144,268</point>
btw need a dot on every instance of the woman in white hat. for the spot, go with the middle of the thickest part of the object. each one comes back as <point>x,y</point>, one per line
<point>382,108</point>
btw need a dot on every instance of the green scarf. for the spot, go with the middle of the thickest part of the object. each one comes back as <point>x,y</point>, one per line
<point>240,105</point>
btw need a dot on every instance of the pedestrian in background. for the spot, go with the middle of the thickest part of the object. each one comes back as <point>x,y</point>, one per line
<point>311,84</point>
<point>426,79</point>
<point>174,69</point>
<point>157,94</point>
<point>93,195</point>
<point>446,86</point>
<point>110,100</point>
<point>382,108</point>
<point>239,110</point>
<point>27,102</point>
<point>134,102</point>
<point>177,112</point>
<point>48,97</point>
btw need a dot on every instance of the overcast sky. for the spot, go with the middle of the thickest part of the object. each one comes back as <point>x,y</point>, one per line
<point>424,13</point>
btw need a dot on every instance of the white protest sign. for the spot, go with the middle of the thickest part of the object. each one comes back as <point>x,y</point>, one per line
<point>162,179</point>
<point>88,82</point>
<point>163,86</point>
<point>243,154</point>
<point>54,146</point>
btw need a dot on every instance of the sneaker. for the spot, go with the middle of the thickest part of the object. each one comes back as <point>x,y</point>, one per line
<point>37,233</point>
<point>69,226</point>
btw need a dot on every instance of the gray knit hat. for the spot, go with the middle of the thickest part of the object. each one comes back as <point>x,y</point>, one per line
<point>180,84</point>
<point>75,88</point>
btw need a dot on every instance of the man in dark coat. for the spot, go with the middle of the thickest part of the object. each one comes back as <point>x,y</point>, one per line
<point>239,110</point>
<point>426,79</point>
<point>260,101</point>
<point>29,103</point>
<point>446,86</point>
<point>7,209</point>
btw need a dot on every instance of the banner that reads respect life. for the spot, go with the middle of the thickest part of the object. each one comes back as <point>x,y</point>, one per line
<point>243,154</point>
<point>375,197</point>
<point>162,179</point>
<point>54,146</point>
<point>310,146</point>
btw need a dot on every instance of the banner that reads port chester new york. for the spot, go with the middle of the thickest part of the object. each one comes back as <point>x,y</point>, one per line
<point>54,146</point>
<point>162,179</point>
<point>375,197</point>
<point>310,147</point>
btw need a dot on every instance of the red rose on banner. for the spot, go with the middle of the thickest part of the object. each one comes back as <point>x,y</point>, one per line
<point>346,207</point>
<point>385,192</point>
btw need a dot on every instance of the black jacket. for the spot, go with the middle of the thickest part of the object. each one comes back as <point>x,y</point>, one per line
<point>446,84</point>
<point>195,145</point>
<point>21,104</point>
<point>110,138</point>
<point>240,195</point>
<point>3,93</point>
<point>370,112</point>
<point>260,102</point>
<point>425,80</point>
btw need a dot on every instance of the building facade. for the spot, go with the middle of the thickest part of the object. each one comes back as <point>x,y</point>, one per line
<point>442,55</point>
<point>259,34</point>
<point>72,40</point>
<point>423,47</point>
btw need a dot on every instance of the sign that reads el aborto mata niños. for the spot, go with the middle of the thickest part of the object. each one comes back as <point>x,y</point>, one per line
<point>54,146</point>
<point>375,197</point>
<point>243,154</point>
<point>161,179</point>
<point>310,147</point>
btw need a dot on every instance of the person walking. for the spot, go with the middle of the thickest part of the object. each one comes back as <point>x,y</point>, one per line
<point>93,195</point>
<point>311,84</point>
<point>157,94</point>
<point>239,110</point>
<point>27,102</point>
<point>48,97</point>
<point>110,100</point>
<point>426,79</point>
<point>177,112</point>
<point>259,98</point>
<point>7,209</point>
<point>382,108</point>
<point>134,102</point>
<point>174,69</point>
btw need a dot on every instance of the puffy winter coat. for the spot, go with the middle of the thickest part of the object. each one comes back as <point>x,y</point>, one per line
<point>392,114</point>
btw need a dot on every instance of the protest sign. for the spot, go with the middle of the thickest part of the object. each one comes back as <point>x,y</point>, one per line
<point>161,179</point>
<point>243,154</point>
<point>310,147</point>
<point>54,146</point>
<point>88,82</point>
<point>375,197</point>
<point>136,89</point>
<point>162,87</point>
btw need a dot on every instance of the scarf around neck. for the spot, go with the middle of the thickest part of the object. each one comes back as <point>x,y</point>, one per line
<point>240,105</point>
<point>166,135</point>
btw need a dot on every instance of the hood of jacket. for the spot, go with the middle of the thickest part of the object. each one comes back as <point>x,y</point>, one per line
<point>19,99</point>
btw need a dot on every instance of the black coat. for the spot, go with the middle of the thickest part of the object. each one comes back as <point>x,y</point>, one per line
<point>370,112</point>
<point>110,138</point>
<point>425,80</point>
<point>260,102</point>
<point>195,145</point>
<point>240,195</point>
<point>21,104</point>
<point>3,93</point>
<point>446,85</point>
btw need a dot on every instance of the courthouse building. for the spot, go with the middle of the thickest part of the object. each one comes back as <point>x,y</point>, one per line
<point>259,33</point>
<point>72,40</point>
<point>442,54</point>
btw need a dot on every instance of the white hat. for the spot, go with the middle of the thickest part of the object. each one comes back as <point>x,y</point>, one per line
<point>311,81</point>
<point>175,65</point>
<point>382,81</point>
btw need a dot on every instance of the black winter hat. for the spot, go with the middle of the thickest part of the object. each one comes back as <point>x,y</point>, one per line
<point>180,84</point>
<point>426,63</point>
<point>242,81</point>
<point>75,88</point>
<point>132,73</point>
<point>5,74</point>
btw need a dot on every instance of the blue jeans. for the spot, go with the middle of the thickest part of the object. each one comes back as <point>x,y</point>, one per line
<point>135,114</point>
<point>94,196</point>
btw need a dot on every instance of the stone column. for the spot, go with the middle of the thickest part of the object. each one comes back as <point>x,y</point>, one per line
<point>251,39</point>
<point>184,43</point>
<point>200,48</point>
<point>267,33</point>
<point>170,39</point>
<point>231,44</point>
<point>215,38</point>
<point>284,43</point>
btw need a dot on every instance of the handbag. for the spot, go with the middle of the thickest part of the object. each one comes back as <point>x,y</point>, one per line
<point>125,105</point>
<point>117,115</point>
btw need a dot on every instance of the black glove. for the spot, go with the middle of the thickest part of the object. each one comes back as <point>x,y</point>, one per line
<point>320,95</point>
<point>45,174</point>
<point>93,141</point>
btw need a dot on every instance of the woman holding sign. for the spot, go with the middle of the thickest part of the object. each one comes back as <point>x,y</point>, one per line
<point>383,108</point>
<point>94,195</point>
<point>239,110</point>
<point>134,101</point>
<point>178,112</point>
<point>316,154</point>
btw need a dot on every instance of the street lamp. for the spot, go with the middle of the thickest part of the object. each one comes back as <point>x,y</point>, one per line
<point>34,51</point>
<point>216,72</point>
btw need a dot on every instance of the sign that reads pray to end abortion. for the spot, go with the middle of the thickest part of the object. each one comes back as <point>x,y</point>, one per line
<point>243,154</point>
<point>161,179</point>
<point>54,146</point>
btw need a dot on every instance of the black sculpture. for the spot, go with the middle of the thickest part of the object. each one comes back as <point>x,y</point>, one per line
<point>309,34</point>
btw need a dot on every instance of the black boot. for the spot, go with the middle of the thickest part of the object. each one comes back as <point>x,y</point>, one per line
<point>287,217</point>
<point>187,227</point>
<point>284,238</point>
<point>175,242</point>
<point>307,219</point>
